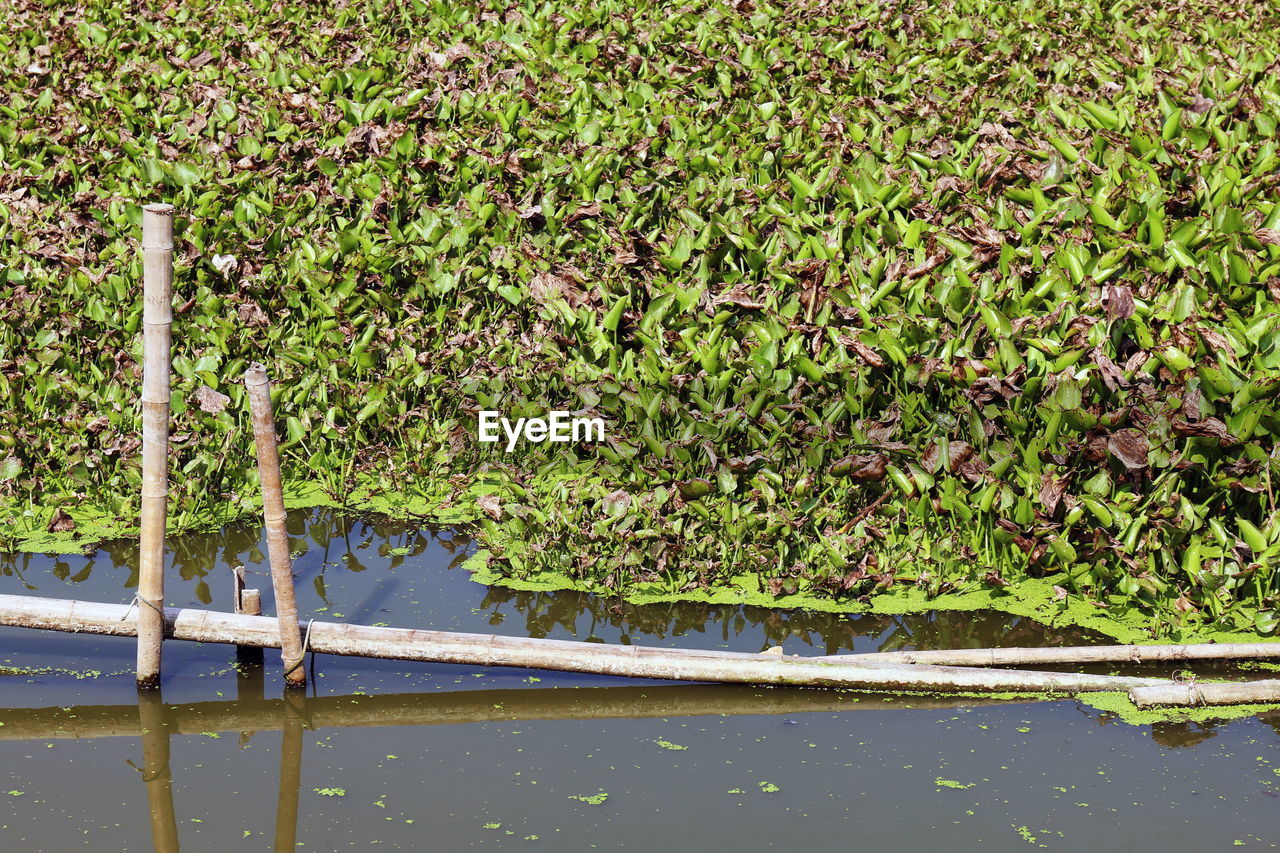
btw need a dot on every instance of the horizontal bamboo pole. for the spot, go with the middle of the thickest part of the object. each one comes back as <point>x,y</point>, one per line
<point>1071,654</point>
<point>460,707</point>
<point>1216,693</point>
<point>561,655</point>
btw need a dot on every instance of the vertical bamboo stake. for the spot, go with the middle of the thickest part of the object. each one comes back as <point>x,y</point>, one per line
<point>264,436</point>
<point>157,319</point>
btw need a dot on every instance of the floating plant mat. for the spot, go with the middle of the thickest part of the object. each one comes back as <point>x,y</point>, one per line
<point>400,752</point>
<point>938,296</point>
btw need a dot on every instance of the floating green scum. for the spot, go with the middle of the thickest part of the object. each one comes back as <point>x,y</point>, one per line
<point>901,303</point>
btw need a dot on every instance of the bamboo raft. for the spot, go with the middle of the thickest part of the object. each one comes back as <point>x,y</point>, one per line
<point>492,650</point>
<point>208,626</point>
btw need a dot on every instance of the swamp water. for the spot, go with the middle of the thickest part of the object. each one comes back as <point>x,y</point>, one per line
<point>440,757</point>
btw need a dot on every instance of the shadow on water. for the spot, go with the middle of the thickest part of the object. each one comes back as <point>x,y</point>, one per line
<point>407,754</point>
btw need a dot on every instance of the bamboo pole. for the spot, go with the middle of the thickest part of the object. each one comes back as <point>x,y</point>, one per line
<point>292,724</point>
<point>1216,693</point>
<point>1071,655</point>
<point>264,437</point>
<point>441,708</point>
<point>156,772</point>
<point>559,655</point>
<point>157,320</point>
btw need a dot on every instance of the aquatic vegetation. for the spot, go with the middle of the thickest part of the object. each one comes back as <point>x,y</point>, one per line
<point>952,783</point>
<point>878,303</point>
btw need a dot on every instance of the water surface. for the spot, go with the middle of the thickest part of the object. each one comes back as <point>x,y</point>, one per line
<point>424,756</point>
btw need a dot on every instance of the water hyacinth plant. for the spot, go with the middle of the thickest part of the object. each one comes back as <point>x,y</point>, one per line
<point>872,296</point>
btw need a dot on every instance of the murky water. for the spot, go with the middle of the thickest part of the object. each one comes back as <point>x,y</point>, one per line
<point>421,756</point>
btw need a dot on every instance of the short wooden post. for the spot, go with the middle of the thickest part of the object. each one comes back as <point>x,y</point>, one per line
<point>264,436</point>
<point>156,773</point>
<point>250,603</point>
<point>157,320</point>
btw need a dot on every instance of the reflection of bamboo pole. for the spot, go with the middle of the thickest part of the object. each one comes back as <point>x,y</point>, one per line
<point>157,318</point>
<point>560,655</point>
<point>292,724</point>
<point>264,436</point>
<point>156,772</point>
<point>1070,654</point>
<point>465,706</point>
<point>1217,693</point>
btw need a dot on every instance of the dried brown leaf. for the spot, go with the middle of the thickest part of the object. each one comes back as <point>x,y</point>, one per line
<point>1051,491</point>
<point>491,505</point>
<point>61,522</point>
<point>1209,428</point>
<point>1130,447</point>
<point>210,400</point>
<point>1117,301</point>
<point>739,297</point>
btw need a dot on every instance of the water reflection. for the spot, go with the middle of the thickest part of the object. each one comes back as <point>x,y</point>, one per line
<point>542,614</point>
<point>156,772</point>
<point>155,722</point>
<point>294,721</point>
<point>377,570</point>
<point>834,756</point>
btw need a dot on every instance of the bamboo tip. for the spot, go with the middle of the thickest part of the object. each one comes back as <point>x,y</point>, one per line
<point>157,233</point>
<point>251,602</point>
<point>256,374</point>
